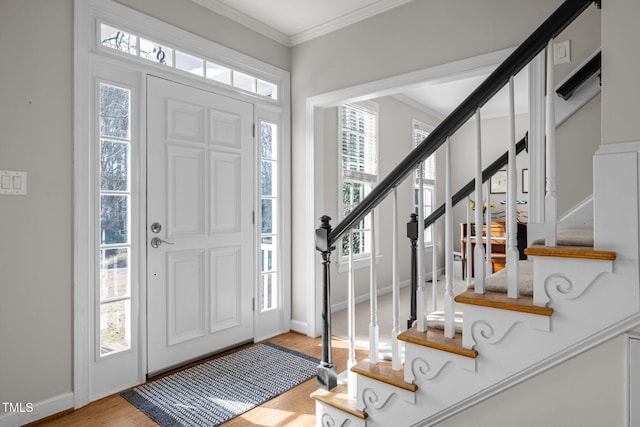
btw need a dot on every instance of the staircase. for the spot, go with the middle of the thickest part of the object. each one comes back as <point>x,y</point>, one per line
<point>584,291</point>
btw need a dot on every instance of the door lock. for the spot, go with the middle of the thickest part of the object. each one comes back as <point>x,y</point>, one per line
<point>156,242</point>
<point>156,227</point>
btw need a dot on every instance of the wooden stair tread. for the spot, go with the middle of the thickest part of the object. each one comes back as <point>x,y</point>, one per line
<point>500,300</point>
<point>383,372</point>
<point>339,398</point>
<point>581,252</point>
<point>435,338</point>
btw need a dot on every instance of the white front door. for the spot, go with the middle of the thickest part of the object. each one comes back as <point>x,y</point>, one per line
<point>200,193</point>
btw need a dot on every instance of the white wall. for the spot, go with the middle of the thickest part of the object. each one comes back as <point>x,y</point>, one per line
<point>36,240</point>
<point>588,390</point>
<point>36,230</point>
<point>621,68</point>
<point>576,142</point>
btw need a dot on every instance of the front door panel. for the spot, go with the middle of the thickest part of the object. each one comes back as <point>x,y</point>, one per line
<point>200,190</point>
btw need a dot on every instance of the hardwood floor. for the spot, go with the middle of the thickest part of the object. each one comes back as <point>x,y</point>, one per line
<point>293,408</point>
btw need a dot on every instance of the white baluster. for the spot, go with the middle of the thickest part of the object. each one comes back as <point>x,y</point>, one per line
<point>351,324</point>
<point>468,267</point>
<point>550,200</point>
<point>421,291</point>
<point>374,333</point>
<point>449,326</point>
<point>396,363</point>
<point>512,184</point>
<point>434,266</point>
<point>489,220</point>
<point>479,248</point>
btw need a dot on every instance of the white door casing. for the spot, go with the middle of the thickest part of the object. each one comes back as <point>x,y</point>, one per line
<point>200,279</point>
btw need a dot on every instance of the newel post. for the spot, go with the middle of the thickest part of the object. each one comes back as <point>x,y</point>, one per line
<point>412,235</point>
<point>327,372</point>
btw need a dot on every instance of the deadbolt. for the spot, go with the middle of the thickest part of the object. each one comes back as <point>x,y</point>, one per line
<point>156,227</point>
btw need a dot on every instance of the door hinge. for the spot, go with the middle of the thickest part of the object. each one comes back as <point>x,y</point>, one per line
<point>254,130</point>
<point>253,217</point>
<point>254,304</point>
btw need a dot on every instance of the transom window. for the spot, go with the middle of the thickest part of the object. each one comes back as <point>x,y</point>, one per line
<point>420,132</point>
<point>133,44</point>
<point>358,168</point>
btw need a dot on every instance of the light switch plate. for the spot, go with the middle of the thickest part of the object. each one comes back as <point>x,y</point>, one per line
<point>562,52</point>
<point>13,182</point>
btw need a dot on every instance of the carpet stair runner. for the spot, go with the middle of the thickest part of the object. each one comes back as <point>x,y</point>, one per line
<point>571,243</point>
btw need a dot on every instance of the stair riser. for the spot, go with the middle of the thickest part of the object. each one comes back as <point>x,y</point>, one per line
<point>327,416</point>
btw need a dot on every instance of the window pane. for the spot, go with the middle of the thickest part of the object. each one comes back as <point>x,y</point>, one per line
<point>114,219</point>
<point>117,39</point>
<point>115,332</point>
<point>268,178</point>
<point>114,273</point>
<point>267,89</point>
<point>268,215</point>
<point>114,166</point>
<point>268,139</point>
<point>156,52</point>
<point>268,292</point>
<point>114,111</point>
<point>218,73</point>
<point>189,63</point>
<point>244,81</point>
<point>268,254</point>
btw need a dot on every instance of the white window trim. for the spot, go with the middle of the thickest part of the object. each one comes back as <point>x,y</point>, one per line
<point>359,260</point>
<point>87,53</point>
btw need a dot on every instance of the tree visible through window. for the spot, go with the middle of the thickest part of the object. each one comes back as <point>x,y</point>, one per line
<point>358,168</point>
<point>115,238</point>
<point>268,217</point>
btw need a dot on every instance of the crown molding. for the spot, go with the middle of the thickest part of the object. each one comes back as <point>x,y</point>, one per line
<point>245,20</point>
<point>346,20</point>
<point>317,31</point>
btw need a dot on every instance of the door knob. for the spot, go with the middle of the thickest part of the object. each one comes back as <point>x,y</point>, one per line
<point>156,242</point>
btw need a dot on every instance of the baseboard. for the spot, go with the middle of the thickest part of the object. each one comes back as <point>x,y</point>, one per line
<point>28,412</point>
<point>342,305</point>
<point>298,326</point>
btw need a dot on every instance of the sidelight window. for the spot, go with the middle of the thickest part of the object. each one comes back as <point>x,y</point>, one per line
<point>115,208</point>
<point>269,232</point>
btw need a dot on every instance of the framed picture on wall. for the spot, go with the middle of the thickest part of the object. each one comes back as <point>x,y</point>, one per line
<point>498,182</point>
<point>525,180</point>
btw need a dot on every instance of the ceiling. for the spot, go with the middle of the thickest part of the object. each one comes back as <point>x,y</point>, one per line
<point>291,22</point>
<point>439,98</point>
